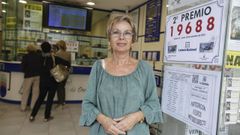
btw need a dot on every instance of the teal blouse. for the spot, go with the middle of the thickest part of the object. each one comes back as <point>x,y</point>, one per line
<point>116,96</point>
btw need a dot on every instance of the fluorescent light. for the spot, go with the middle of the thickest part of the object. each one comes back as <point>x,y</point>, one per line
<point>90,3</point>
<point>45,1</point>
<point>4,3</point>
<point>22,1</point>
<point>89,8</point>
<point>4,11</point>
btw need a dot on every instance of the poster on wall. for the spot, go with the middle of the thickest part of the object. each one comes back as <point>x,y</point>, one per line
<point>197,33</point>
<point>234,27</point>
<point>232,98</point>
<point>153,21</point>
<point>192,96</point>
<point>32,17</point>
<point>233,59</point>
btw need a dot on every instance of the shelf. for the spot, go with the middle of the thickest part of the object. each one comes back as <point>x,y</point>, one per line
<point>99,49</point>
<point>93,47</point>
<point>15,40</point>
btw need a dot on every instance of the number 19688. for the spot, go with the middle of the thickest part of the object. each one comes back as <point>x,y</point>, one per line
<point>198,26</point>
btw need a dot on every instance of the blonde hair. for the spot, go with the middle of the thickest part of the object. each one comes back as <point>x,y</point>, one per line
<point>119,18</point>
<point>31,48</point>
<point>61,45</point>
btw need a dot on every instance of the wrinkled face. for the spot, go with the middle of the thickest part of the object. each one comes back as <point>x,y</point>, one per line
<point>121,37</point>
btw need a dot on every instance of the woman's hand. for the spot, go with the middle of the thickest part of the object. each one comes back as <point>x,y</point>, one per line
<point>109,125</point>
<point>129,121</point>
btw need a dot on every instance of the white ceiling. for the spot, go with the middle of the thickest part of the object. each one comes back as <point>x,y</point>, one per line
<point>106,4</point>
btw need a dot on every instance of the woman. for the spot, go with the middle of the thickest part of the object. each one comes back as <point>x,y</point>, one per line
<point>121,96</point>
<point>30,66</point>
<point>48,85</point>
<point>62,53</point>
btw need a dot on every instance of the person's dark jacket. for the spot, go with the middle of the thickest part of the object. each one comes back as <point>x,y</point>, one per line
<point>47,65</point>
<point>31,64</point>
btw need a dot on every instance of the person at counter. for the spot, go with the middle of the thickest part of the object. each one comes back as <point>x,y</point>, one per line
<point>121,96</point>
<point>30,66</point>
<point>48,85</point>
<point>62,53</point>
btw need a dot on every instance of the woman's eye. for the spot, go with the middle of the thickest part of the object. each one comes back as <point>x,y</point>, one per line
<point>128,33</point>
<point>115,32</point>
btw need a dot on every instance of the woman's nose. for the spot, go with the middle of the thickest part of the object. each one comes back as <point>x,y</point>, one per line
<point>121,36</point>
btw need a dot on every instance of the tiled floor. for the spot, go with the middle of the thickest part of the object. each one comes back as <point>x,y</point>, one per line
<point>65,122</point>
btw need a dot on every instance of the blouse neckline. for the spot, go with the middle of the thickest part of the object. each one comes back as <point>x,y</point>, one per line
<point>131,73</point>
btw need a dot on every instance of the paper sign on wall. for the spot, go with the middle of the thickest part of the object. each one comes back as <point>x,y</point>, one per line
<point>32,17</point>
<point>233,59</point>
<point>197,34</point>
<point>192,96</point>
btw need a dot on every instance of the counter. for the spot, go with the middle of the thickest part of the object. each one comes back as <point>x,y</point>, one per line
<point>11,79</point>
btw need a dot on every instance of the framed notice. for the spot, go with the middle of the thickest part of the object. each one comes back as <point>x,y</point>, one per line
<point>234,27</point>
<point>192,96</point>
<point>32,17</point>
<point>153,21</point>
<point>196,35</point>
